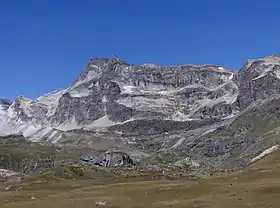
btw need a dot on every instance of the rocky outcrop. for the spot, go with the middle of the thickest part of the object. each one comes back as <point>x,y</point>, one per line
<point>107,159</point>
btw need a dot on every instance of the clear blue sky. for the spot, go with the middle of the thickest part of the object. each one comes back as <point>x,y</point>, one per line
<point>45,44</point>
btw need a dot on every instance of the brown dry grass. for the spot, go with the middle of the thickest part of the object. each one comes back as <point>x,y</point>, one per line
<point>257,186</point>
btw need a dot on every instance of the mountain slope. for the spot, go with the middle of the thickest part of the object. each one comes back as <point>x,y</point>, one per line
<point>256,186</point>
<point>209,115</point>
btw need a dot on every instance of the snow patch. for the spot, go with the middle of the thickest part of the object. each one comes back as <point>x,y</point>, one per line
<point>127,89</point>
<point>104,122</point>
<point>231,77</point>
<point>69,125</point>
<point>78,93</point>
<point>31,130</point>
<point>208,131</point>
<point>104,99</point>
<point>7,129</point>
<point>178,143</point>
<point>101,123</point>
<point>40,134</point>
<point>178,116</point>
<point>164,92</point>
<point>230,116</point>
<point>266,152</point>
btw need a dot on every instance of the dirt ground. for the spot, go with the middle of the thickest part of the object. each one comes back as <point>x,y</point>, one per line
<point>257,186</point>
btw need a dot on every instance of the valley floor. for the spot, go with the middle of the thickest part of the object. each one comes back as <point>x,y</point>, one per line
<point>257,186</point>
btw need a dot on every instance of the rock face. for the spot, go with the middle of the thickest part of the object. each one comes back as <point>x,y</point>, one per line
<point>197,110</point>
<point>107,159</point>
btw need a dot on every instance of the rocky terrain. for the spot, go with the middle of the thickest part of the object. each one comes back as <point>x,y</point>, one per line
<point>202,117</point>
<point>254,187</point>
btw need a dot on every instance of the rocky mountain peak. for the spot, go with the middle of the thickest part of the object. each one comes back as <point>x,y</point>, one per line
<point>111,60</point>
<point>22,98</point>
<point>98,66</point>
<point>261,68</point>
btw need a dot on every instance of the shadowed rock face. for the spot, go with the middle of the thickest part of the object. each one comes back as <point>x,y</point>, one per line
<point>258,80</point>
<point>5,102</point>
<point>142,109</point>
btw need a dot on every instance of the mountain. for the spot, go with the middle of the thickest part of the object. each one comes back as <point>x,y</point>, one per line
<point>196,115</point>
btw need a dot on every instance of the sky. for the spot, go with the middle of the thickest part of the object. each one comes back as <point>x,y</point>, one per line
<point>46,44</point>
